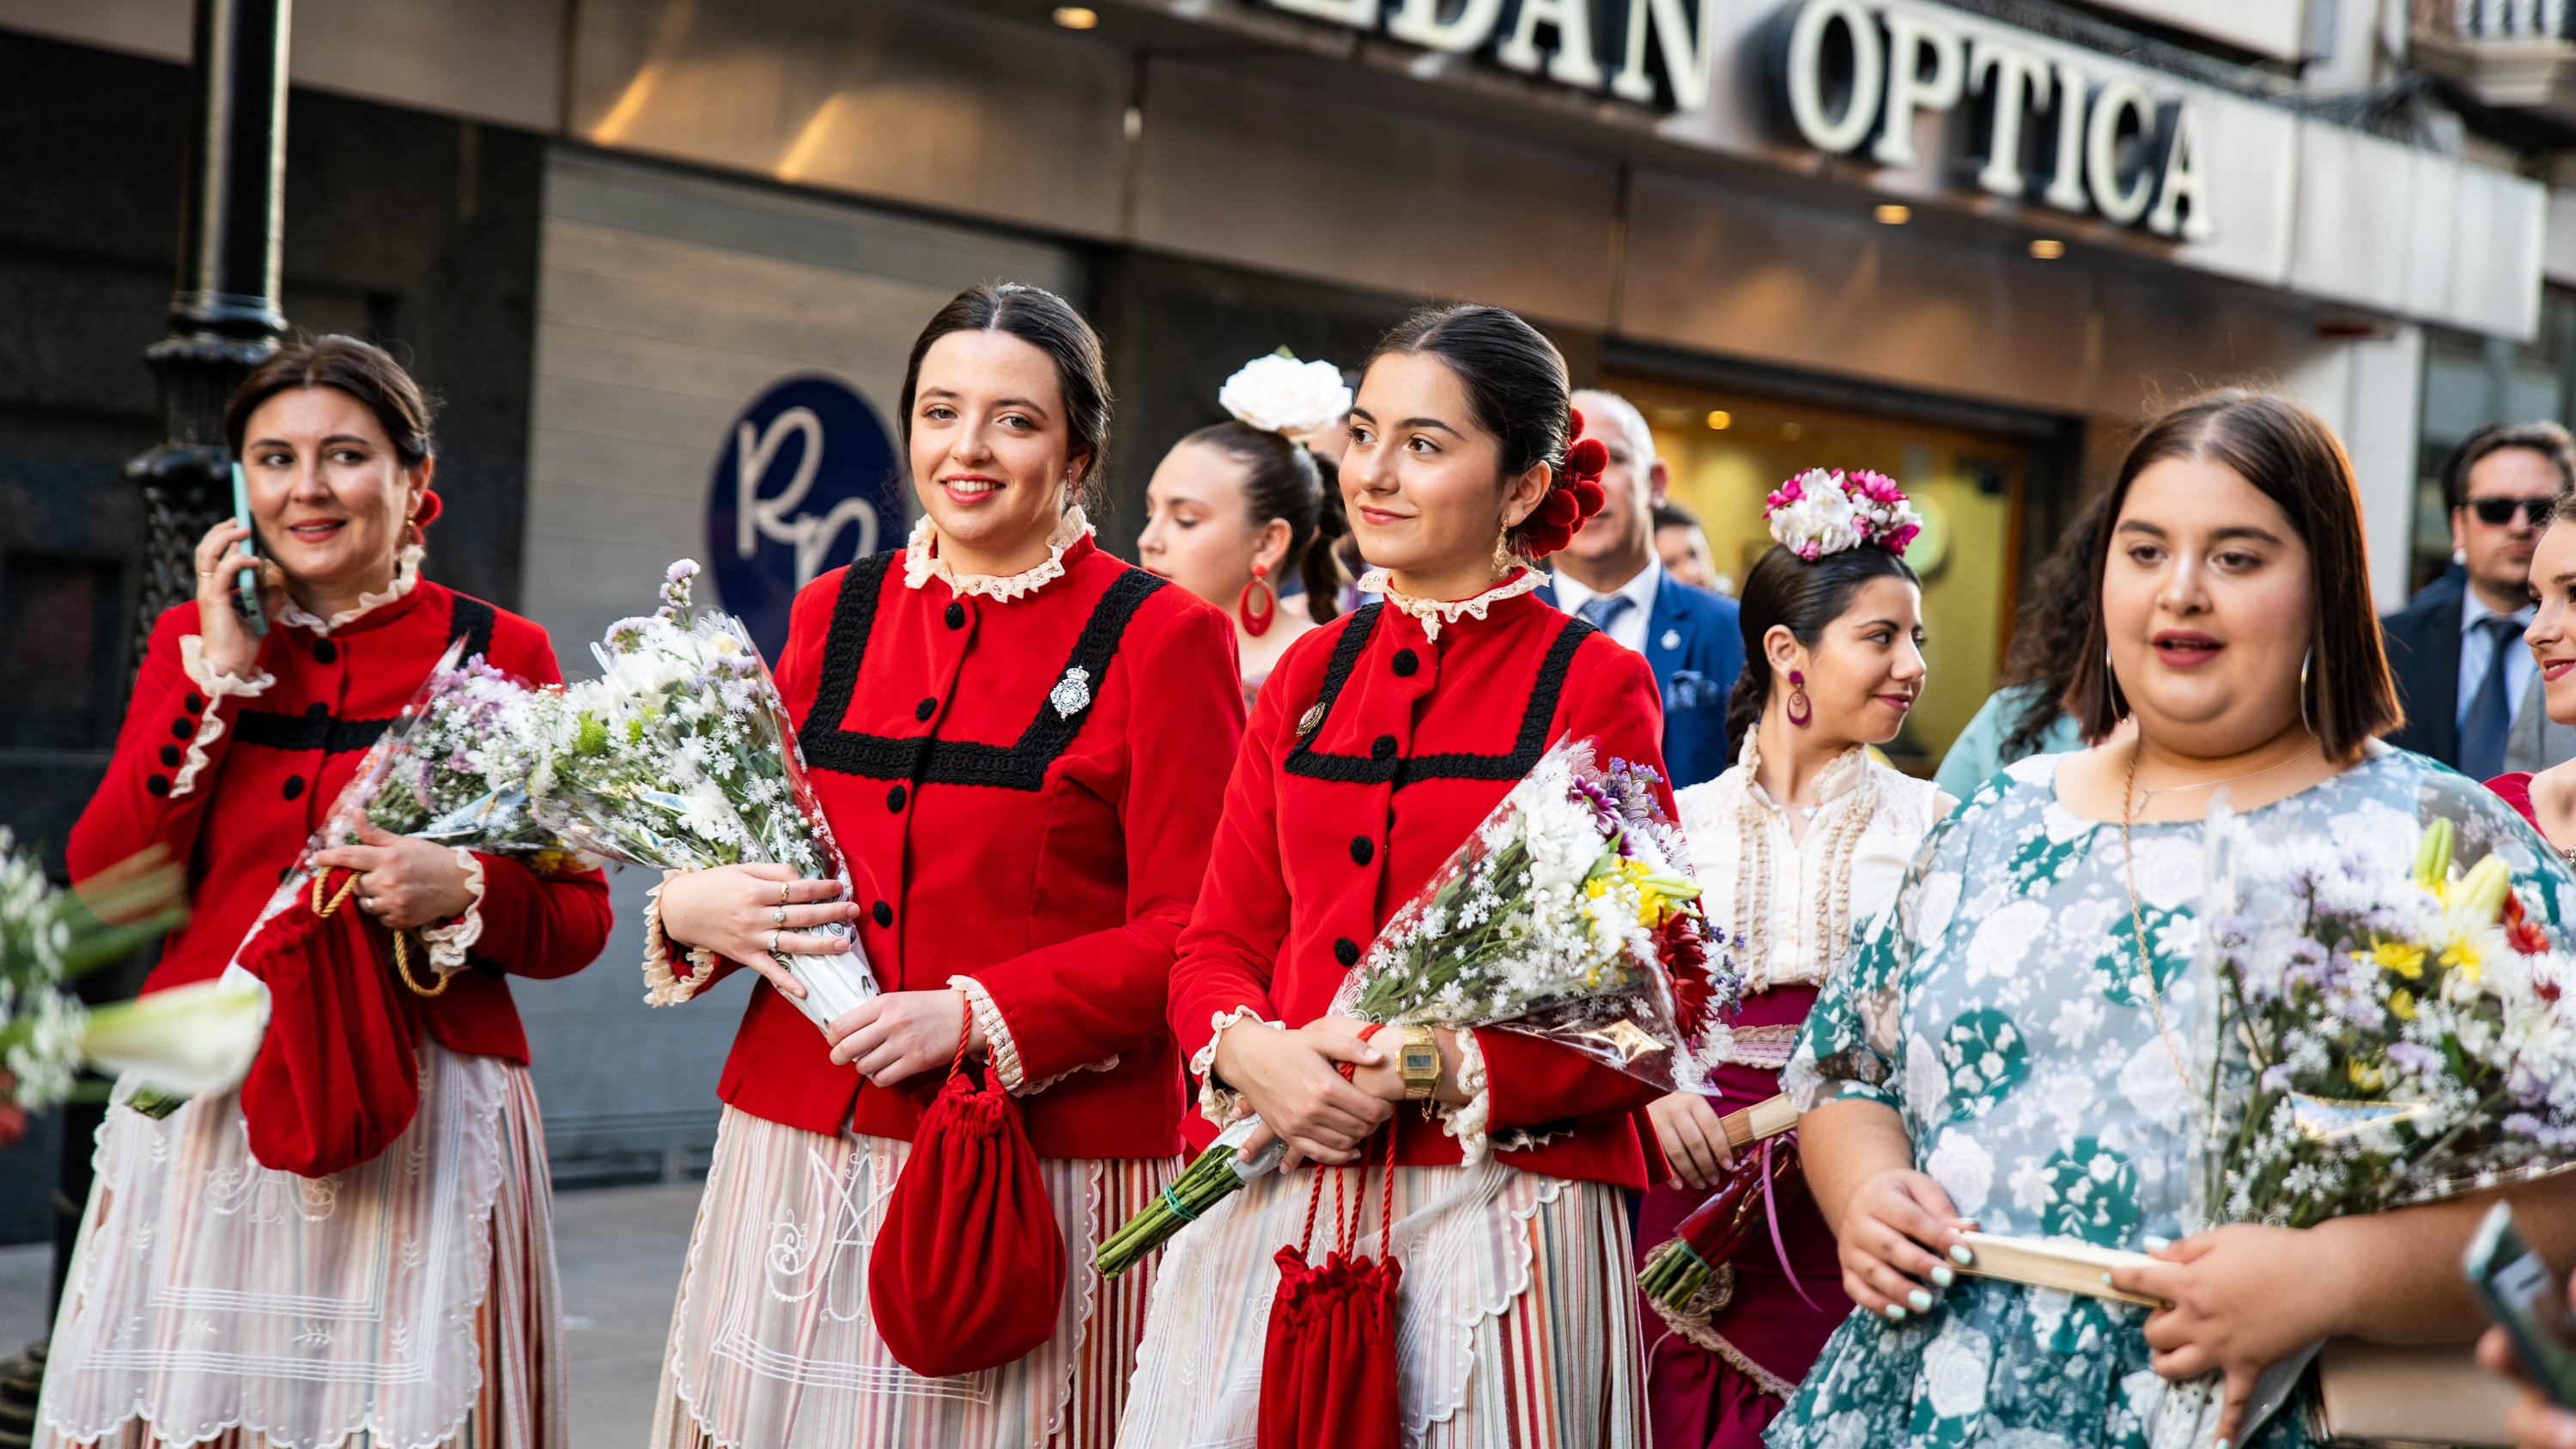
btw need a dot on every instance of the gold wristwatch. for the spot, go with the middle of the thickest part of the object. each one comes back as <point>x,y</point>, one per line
<point>1417,1061</point>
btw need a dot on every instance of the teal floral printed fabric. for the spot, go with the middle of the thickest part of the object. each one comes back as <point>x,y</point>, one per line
<point>1998,1010</point>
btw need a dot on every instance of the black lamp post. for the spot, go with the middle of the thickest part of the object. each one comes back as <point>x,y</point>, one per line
<point>224,319</point>
<point>224,315</point>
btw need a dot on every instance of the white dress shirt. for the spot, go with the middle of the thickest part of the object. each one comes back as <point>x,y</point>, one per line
<point>2477,650</point>
<point>1630,627</point>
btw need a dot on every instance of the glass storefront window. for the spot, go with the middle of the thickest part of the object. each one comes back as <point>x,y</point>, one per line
<point>2471,381</point>
<point>1725,451</point>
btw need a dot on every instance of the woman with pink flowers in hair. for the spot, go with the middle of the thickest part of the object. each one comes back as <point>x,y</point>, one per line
<point>1803,840</point>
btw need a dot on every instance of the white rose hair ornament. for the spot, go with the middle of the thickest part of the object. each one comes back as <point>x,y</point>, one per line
<point>1575,497</point>
<point>1821,512</point>
<point>1298,401</point>
<point>1279,394</point>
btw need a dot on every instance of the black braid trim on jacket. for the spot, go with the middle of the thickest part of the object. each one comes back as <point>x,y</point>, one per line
<point>470,620</point>
<point>1540,712</point>
<point>926,759</point>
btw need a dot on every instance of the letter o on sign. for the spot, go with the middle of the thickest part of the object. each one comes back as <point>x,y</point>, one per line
<point>1807,81</point>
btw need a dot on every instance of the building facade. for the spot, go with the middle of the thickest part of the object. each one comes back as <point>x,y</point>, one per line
<point>664,259</point>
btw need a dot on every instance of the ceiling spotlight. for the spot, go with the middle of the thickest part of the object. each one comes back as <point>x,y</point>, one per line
<point>1075,17</point>
<point>1791,431</point>
<point>1893,214</point>
<point>1721,420</point>
<point>2047,249</point>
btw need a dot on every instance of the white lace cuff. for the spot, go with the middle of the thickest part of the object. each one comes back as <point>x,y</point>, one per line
<point>210,724</point>
<point>1466,1120</point>
<point>999,1049</point>
<point>448,944</point>
<point>662,987</point>
<point>1218,1103</point>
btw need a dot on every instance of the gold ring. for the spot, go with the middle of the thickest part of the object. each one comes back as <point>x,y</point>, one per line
<point>205,573</point>
<point>778,916</point>
<point>782,891</point>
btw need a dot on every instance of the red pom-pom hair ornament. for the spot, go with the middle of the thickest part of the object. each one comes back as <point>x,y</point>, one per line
<point>1575,497</point>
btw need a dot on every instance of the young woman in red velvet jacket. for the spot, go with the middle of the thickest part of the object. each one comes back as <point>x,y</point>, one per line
<point>413,1296</point>
<point>1020,744</point>
<point>1380,742</point>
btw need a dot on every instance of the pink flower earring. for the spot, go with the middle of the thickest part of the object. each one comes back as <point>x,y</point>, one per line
<point>1799,710</point>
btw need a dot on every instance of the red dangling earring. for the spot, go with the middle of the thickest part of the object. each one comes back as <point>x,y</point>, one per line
<point>1798,710</point>
<point>1258,624</point>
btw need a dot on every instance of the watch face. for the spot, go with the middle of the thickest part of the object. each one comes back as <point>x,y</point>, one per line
<point>1418,1061</point>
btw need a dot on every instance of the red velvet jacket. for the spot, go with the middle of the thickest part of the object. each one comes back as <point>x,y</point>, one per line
<point>272,769</point>
<point>1327,834</point>
<point>1005,822</point>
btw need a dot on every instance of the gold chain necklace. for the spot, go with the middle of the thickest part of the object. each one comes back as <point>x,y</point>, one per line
<point>2137,924</point>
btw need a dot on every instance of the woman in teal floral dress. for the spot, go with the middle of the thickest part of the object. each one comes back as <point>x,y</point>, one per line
<point>2004,1052</point>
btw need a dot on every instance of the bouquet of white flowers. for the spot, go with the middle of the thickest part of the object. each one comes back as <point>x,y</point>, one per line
<point>2370,1037</point>
<point>186,1040</point>
<point>1568,915</point>
<point>453,767</point>
<point>681,756</point>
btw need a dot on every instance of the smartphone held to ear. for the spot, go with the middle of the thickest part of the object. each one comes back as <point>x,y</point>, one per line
<point>2528,1300</point>
<point>246,582</point>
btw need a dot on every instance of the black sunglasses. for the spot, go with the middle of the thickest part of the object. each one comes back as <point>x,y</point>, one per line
<point>2497,512</point>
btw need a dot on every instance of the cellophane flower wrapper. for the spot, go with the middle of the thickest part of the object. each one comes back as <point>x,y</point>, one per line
<point>454,767</point>
<point>1569,915</point>
<point>680,756</point>
<point>2369,1035</point>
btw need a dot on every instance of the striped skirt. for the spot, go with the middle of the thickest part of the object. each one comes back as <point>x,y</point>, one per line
<point>773,1347</point>
<point>406,1303</point>
<point>1516,1319</point>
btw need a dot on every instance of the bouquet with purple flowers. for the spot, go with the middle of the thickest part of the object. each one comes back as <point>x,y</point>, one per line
<point>2378,1039</point>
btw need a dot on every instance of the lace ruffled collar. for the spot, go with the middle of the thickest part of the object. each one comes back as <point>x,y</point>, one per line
<point>1435,612</point>
<point>922,563</point>
<point>1834,781</point>
<point>406,577</point>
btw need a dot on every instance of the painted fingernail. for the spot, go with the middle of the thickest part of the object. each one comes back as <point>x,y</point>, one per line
<point>2106,1282</point>
<point>1921,1300</point>
<point>1896,1313</point>
<point>2221,1444</point>
<point>1960,1255</point>
<point>1942,1277</point>
<point>2153,1243</point>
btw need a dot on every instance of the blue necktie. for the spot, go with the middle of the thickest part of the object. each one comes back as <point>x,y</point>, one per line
<point>1600,609</point>
<point>2490,710</point>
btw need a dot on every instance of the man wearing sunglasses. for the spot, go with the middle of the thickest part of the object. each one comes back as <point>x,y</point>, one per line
<point>2456,648</point>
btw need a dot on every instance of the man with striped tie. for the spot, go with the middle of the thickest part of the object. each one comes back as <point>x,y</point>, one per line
<point>1609,576</point>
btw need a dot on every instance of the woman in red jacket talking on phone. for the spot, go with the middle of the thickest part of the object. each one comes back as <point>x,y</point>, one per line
<point>1020,744</point>
<point>408,1298</point>
<point>1381,741</point>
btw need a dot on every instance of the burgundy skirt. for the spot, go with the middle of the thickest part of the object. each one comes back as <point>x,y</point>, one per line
<point>1722,1390</point>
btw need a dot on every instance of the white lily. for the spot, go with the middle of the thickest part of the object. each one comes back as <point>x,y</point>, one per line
<point>195,1041</point>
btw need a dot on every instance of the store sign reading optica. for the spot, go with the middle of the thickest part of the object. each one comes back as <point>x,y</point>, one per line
<point>2106,145</point>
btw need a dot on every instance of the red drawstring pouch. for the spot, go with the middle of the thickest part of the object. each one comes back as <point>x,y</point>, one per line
<point>1328,1368</point>
<point>337,1077</point>
<point>968,1268</point>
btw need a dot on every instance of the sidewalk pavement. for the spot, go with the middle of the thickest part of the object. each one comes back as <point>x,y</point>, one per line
<point>620,1250</point>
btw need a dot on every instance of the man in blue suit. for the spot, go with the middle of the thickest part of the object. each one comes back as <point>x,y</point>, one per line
<point>1610,576</point>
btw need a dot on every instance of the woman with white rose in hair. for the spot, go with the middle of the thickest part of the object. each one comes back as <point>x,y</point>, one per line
<point>1236,508</point>
<point>2008,1048</point>
<point>1803,840</point>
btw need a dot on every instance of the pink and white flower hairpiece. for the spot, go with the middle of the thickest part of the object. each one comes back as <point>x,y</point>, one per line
<point>1821,512</point>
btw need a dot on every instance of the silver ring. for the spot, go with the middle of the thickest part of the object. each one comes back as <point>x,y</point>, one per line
<point>778,915</point>
<point>773,943</point>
